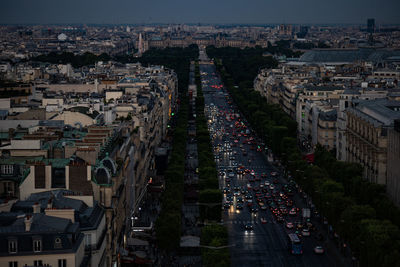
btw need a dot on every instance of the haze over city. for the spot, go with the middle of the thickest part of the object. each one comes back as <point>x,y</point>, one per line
<point>190,11</point>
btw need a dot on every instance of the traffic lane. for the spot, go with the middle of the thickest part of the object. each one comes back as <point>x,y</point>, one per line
<point>265,245</point>
<point>309,261</point>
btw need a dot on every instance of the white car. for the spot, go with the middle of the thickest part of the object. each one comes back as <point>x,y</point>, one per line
<point>289,225</point>
<point>305,232</point>
<point>319,250</point>
<point>271,187</point>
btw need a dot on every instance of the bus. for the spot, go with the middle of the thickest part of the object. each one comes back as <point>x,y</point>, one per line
<point>294,244</point>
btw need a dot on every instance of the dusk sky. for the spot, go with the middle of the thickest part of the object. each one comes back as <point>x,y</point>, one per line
<point>206,11</point>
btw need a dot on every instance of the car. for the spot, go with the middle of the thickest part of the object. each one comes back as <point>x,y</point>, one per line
<point>227,205</point>
<point>305,232</point>
<point>229,198</point>
<point>271,187</point>
<point>289,225</point>
<point>263,220</point>
<point>248,226</point>
<point>266,183</point>
<point>293,212</point>
<point>299,225</point>
<point>280,219</point>
<point>319,250</point>
<point>253,210</point>
<point>239,206</point>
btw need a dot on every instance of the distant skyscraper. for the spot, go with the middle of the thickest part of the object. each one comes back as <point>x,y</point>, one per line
<point>371,25</point>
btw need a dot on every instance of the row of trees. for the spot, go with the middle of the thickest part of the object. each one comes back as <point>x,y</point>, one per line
<point>210,195</point>
<point>168,224</point>
<point>358,210</point>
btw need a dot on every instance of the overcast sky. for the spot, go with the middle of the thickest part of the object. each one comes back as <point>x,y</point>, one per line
<point>199,11</point>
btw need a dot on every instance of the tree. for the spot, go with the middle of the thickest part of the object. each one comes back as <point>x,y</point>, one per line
<point>351,218</point>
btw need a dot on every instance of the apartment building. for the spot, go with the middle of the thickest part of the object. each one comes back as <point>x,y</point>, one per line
<point>39,240</point>
<point>393,166</point>
<point>367,136</point>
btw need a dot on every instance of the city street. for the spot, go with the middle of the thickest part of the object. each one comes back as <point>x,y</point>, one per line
<point>254,189</point>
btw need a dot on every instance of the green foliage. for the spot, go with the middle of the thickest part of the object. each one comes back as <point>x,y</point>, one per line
<point>377,240</point>
<point>168,230</point>
<point>212,211</point>
<point>215,236</point>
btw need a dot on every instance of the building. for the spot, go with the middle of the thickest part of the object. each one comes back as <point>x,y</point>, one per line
<point>77,208</point>
<point>39,240</point>
<point>367,136</point>
<point>393,166</point>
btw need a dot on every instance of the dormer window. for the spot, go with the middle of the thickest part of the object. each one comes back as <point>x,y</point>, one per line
<point>37,245</point>
<point>57,242</point>
<point>12,246</point>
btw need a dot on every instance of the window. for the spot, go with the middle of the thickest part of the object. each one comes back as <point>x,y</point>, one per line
<point>7,169</point>
<point>88,239</point>
<point>57,242</point>
<point>12,246</point>
<point>13,264</point>
<point>58,178</point>
<point>37,263</point>
<point>62,263</point>
<point>37,245</point>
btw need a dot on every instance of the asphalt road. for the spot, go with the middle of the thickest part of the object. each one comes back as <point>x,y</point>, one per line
<point>266,244</point>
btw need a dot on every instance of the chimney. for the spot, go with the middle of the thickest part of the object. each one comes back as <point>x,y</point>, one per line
<point>50,203</point>
<point>28,222</point>
<point>36,208</point>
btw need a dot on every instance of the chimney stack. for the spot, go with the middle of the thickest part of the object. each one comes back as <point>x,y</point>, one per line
<point>28,222</point>
<point>36,208</point>
<point>50,203</point>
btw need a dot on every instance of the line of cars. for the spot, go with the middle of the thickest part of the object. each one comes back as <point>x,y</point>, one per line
<point>243,187</point>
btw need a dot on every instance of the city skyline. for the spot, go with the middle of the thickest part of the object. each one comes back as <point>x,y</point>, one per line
<point>206,12</point>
